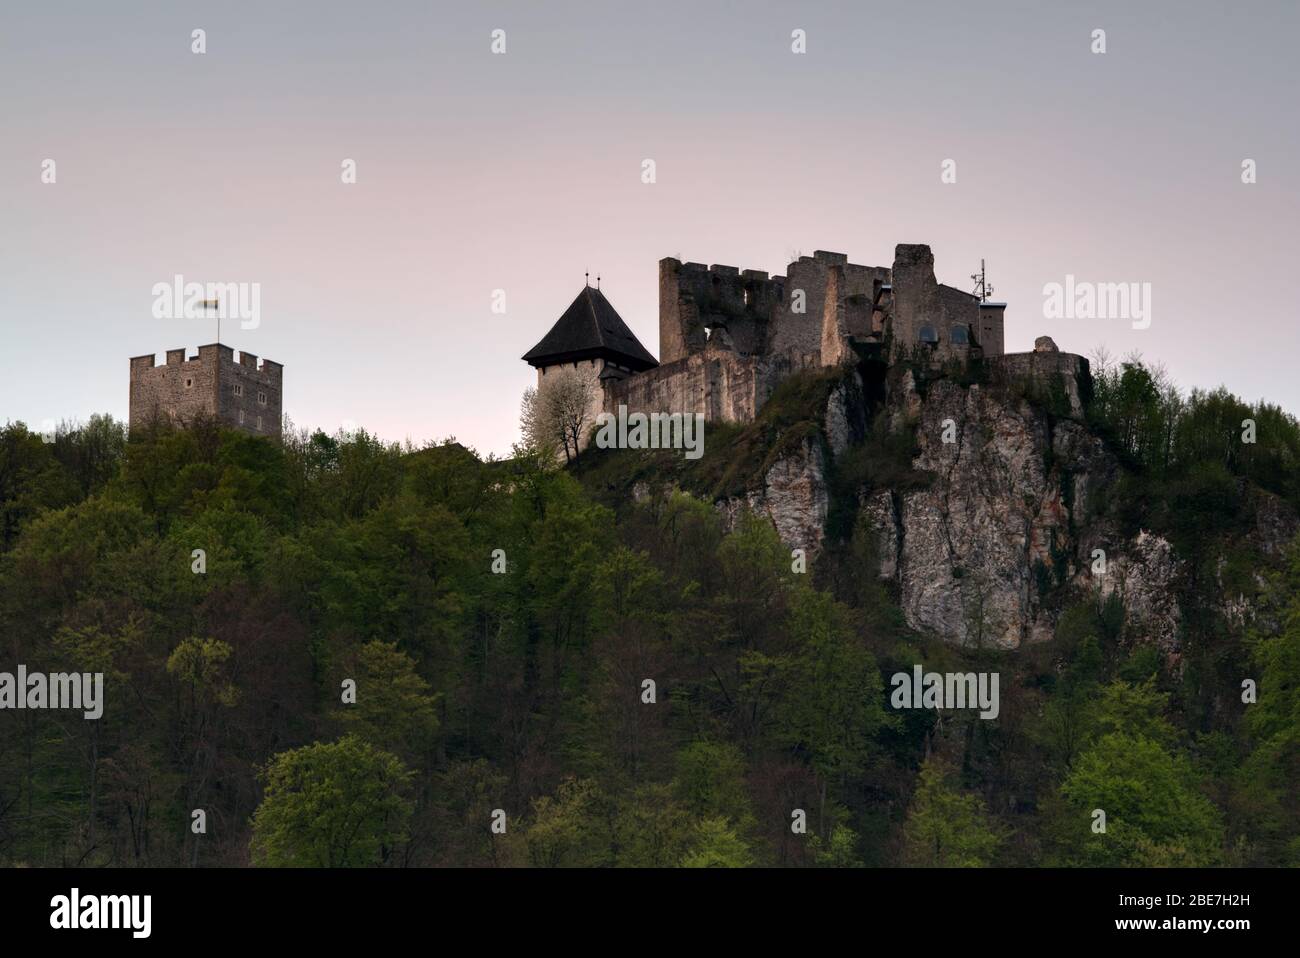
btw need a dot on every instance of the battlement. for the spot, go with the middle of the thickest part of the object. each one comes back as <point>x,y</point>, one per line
<point>174,357</point>
<point>245,393</point>
<point>698,303</point>
<point>753,313</point>
<point>823,306</point>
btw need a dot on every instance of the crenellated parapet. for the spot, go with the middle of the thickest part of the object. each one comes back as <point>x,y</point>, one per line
<point>698,302</point>
<point>243,392</point>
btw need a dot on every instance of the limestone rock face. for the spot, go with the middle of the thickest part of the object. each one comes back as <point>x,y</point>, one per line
<point>882,515</point>
<point>1010,529</point>
<point>845,421</point>
<point>974,551</point>
<point>1045,344</point>
<point>1007,527</point>
<point>1146,576</point>
<point>993,532</point>
<point>836,423</point>
<point>905,409</point>
<point>796,499</point>
<point>1276,525</point>
<point>794,496</point>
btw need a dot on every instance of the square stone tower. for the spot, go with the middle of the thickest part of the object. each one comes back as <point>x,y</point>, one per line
<point>244,394</point>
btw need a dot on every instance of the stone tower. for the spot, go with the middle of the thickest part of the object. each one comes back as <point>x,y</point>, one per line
<point>590,337</point>
<point>244,394</point>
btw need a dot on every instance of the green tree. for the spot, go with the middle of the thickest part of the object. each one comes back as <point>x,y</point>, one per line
<point>1129,768</point>
<point>331,805</point>
<point>394,709</point>
<point>710,781</point>
<point>824,696</point>
<point>835,704</point>
<point>840,851</point>
<point>1267,783</point>
<point>565,830</point>
<point>652,829</point>
<point>1155,814</point>
<point>946,827</point>
<point>716,845</point>
<point>31,481</point>
<point>90,452</point>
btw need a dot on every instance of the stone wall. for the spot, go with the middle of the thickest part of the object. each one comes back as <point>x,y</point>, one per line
<point>699,303</point>
<point>183,390</point>
<point>822,298</point>
<point>726,336</point>
<point>920,301</point>
<point>1061,380</point>
<point>991,333</point>
<point>180,390</point>
<point>849,304</point>
<point>249,395</point>
<point>722,385</point>
<point>802,332</point>
<point>959,309</point>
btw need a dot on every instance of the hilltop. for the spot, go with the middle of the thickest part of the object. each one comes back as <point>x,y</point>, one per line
<point>628,659</point>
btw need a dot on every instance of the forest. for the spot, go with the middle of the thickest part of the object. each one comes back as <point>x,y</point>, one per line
<point>332,651</point>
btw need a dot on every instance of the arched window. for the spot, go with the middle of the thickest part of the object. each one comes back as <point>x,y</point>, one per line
<point>959,336</point>
<point>929,334</point>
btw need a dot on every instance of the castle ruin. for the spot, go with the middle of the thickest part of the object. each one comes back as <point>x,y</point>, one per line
<point>728,336</point>
<point>245,394</point>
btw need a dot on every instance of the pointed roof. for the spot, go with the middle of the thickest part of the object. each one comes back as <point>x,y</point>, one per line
<point>590,328</point>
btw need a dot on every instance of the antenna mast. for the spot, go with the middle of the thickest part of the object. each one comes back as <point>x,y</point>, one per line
<point>982,288</point>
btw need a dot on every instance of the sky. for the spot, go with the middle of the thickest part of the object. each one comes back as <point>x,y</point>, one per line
<point>519,171</point>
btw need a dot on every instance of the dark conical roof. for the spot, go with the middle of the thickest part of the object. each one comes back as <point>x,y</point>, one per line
<point>590,328</point>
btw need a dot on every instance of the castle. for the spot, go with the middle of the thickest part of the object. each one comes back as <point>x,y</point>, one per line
<point>245,393</point>
<point>727,336</point>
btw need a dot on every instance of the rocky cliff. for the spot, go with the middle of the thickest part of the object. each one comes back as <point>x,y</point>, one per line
<point>988,503</point>
<point>1003,520</point>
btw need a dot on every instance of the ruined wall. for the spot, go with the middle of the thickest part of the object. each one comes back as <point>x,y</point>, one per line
<point>838,294</point>
<point>959,310</point>
<point>818,309</point>
<point>735,306</point>
<point>920,301</point>
<point>821,300</point>
<point>848,308</point>
<point>921,304</point>
<point>801,332</point>
<point>722,385</point>
<point>916,295</point>
<point>1061,380</point>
